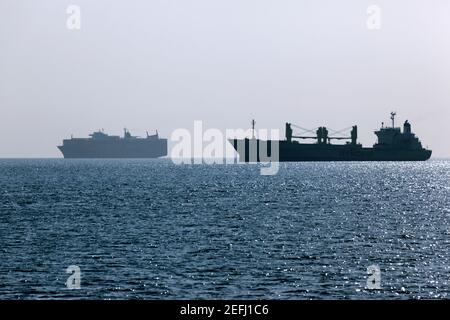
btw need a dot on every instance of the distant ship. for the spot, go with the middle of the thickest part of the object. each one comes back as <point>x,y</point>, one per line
<point>102,145</point>
<point>392,145</point>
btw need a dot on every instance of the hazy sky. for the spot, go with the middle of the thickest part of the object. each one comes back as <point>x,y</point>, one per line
<point>147,64</point>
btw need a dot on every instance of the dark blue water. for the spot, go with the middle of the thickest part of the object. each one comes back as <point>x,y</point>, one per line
<point>150,229</point>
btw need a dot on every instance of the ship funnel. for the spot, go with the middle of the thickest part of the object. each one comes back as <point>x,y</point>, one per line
<point>407,127</point>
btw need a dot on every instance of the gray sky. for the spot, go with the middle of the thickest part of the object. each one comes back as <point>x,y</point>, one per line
<point>165,63</point>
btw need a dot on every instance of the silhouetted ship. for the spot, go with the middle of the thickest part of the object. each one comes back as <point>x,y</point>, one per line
<point>101,145</point>
<point>392,145</point>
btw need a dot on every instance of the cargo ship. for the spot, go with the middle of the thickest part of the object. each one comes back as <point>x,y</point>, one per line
<point>393,145</point>
<point>102,145</point>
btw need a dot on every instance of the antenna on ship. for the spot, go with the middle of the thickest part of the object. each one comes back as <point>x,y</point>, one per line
<point>253,128</point>
<point>393,114</point>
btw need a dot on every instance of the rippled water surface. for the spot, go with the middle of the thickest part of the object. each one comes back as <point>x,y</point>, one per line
<point>150,229</point>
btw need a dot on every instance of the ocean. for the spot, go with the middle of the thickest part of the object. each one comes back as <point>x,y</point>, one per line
<point>150,229</point>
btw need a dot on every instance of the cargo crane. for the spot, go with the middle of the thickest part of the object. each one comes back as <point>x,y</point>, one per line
<point>322,136</point>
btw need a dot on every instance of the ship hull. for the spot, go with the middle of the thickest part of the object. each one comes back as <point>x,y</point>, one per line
<point>249,151</point>
<point>84,148</point>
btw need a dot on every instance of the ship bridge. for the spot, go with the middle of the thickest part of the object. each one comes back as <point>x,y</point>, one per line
<point>389,137</point>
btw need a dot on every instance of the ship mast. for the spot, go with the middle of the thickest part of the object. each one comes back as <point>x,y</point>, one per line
<point>393,114</point>
<point>253,128</point>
